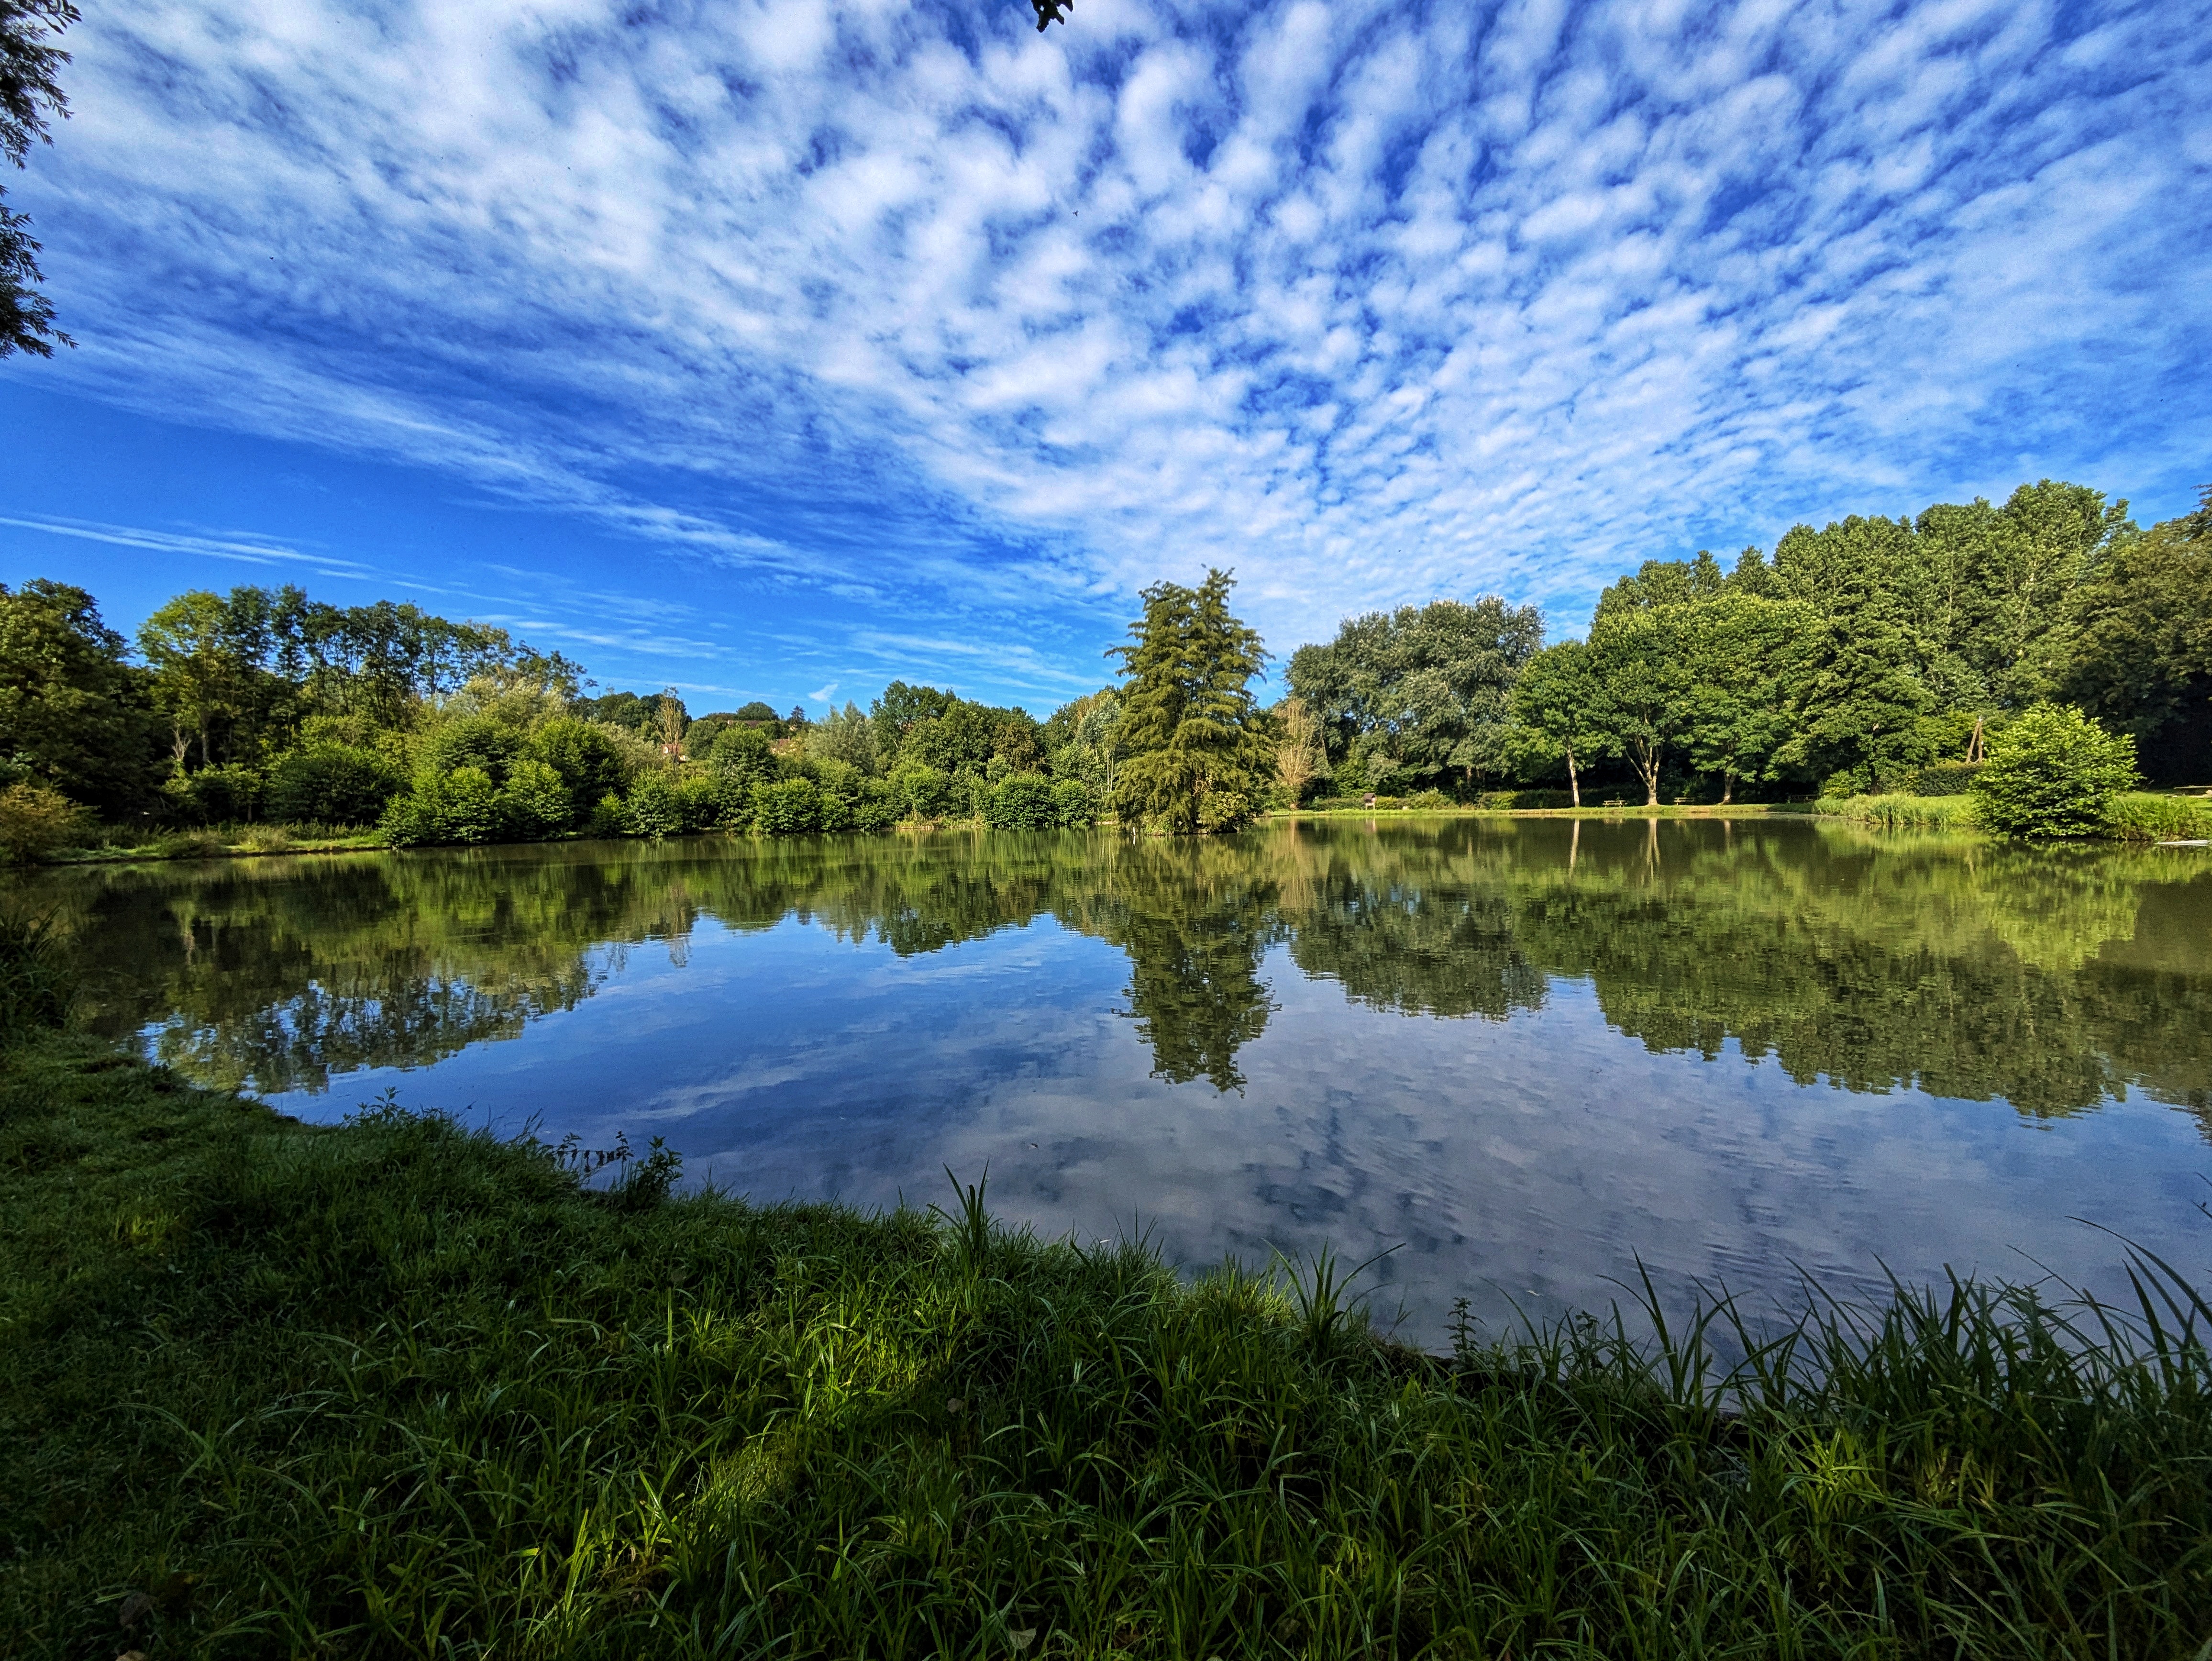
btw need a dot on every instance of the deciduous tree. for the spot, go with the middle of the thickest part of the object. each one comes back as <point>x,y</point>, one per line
<point>74,716</point>
<point>1429,687</point>
<point>1560,709</point>
<point>29,94</point>
<point>1644,665</point>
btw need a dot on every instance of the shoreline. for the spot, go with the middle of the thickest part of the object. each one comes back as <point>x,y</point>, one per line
<point>1941,815</point>
<point>391,1385</point>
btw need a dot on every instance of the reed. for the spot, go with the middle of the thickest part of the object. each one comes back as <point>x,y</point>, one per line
<point>2145,816</point>
<point>1903,811</point>
<point>398,1389</point>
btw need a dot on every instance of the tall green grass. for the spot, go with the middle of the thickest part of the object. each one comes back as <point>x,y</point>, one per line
<point>1903,811</point>
<point>2134,816</point>
<point>2141,816</point>
<point>396,1390</point>
<point>36,987</point>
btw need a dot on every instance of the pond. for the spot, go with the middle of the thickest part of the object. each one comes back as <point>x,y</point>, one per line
<point>1527,1054</point>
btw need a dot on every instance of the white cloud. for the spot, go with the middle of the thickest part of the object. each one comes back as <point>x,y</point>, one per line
<point>1369,303</point>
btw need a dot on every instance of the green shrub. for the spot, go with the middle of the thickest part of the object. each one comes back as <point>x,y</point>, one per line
<point>653,808</point>
<point>2052,772</point>
<point>1021,802</point>
<point>228,794</point>
<point>2139,816</point>
<point>475,741</point>
<point>922,792</point>
<point>331,783</point>
<point>607,817</point>
<point>705,802</point>
<point>587,759</point>
<point>878,809</point>
<point>35,822</point>
<point>1946,778</point>
<point>534,801</point>
<point>191,845</point>
<point>839,783</point>
<point>789,807</point>
<point>460,807</point>
<point>1071,804</point>
<point>1221,810</point>
<point>744,752</point>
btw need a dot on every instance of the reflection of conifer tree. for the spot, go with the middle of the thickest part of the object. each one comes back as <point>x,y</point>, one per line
<point>1194,921</point>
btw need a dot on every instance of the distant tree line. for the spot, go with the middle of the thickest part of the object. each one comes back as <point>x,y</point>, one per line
<point>264,704</point>
<point>1861,657</point>
<point>1870,655</point>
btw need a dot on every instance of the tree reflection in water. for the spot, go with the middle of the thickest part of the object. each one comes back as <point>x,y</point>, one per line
<point>2053,979</point>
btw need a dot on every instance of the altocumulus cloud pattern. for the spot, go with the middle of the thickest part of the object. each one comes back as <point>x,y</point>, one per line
<point>1372,302</point>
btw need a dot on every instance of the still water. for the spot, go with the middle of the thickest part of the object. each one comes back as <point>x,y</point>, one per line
<point>1524,1053</point>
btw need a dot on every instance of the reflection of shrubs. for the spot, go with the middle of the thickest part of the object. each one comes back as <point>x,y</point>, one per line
<point>35,822</point>
<point>2053,772</point>
<point>332,784</point>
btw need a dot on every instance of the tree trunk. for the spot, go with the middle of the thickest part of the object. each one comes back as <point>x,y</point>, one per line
<point>1728,788</point>
<point>1574,784</point>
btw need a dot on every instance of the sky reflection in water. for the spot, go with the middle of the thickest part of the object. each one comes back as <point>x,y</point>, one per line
<point>1525,1052</point>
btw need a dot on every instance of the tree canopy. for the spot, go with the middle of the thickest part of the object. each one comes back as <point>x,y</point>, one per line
<point>1426,689</point>
<point>1195,753</point>
<point>30,92</point>
<point>74,716</point>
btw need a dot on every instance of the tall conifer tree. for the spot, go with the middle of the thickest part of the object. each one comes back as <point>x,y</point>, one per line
<point>1195,758</point>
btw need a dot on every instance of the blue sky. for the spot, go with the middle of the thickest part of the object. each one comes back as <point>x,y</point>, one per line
<point>781,348</point>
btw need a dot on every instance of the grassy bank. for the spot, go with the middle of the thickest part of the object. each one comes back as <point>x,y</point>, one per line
<point>1609,810</point>
<point>393,1389</point>
<point>119,846</point>
<point>2133,816</point>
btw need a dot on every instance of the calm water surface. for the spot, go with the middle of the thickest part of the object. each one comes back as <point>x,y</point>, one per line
<point>1525,1052</point>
